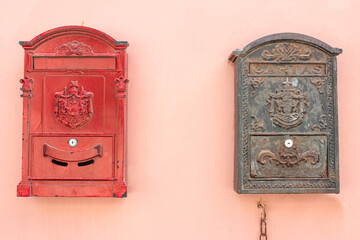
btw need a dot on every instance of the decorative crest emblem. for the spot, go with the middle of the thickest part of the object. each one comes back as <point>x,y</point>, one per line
<point>287,106</point>
<point>73,107</point>
<point>287,52</point>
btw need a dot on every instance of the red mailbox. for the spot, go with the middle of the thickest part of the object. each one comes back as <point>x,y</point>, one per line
<point>74,114</point>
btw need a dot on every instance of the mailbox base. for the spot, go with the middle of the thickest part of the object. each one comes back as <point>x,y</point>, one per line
<point>41,188</point>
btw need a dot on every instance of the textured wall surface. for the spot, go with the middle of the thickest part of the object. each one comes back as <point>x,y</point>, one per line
<point>181,130</point>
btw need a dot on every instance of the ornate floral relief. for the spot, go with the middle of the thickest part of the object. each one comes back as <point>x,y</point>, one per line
<point>255,83</point>
<point>73,106</point>
<point>74,48</point>
<point>120,87</point>
<point>253,173</point>
<point>287,52</point>
<point>322,125</point>
<point>256,124</point>
<point>319,83</point>
<point>26,86</point>
<point>287,106</point>
<point>288,157</point>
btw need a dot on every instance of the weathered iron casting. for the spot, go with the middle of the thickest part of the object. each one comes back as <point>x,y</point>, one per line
<point>286,120</point>
<point>74,114</point>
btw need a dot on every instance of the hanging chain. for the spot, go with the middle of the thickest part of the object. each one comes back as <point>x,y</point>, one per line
<point>263,233</point>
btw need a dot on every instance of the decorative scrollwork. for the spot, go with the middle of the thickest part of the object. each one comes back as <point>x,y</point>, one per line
<point>287,52</point>
<point>253,173</point>
<point>26,86</point>
<point>322,125</point>
<point>244,118</point>
<point>74,48</point>
<point>330,119</point>
<point>256,124</point>
<point>288,158</point>
<point>120,87</point>
<point>255,84</point>
<point>289,184</point>
<point>319,83</point>
<point>287,106</point>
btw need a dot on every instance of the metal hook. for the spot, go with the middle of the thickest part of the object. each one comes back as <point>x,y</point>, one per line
<point>260,205</point>
<point>263,210</point>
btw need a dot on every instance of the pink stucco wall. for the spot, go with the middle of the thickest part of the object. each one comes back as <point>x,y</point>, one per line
<point>180,146</point>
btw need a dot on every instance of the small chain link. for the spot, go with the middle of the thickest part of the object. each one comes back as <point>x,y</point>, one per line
<point>263,232</point>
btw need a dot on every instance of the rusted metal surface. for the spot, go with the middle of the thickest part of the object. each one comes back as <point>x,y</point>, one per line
<point>286,116</point>
<point>263,224</point>
<point>74,121</point>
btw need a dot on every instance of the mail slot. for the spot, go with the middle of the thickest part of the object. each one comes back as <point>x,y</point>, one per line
<point>74,114</point>
<point>286,138</point>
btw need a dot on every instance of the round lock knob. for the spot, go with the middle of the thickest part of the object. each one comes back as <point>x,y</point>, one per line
<point>72,142</point>
<point>288,143</point>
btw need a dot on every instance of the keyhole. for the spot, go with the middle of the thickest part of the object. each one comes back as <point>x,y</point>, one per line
<point>73,142</point>
<point>288,143</point>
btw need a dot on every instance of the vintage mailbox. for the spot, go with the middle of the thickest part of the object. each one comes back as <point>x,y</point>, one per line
<point>286,137</point>
<point>74,114</point>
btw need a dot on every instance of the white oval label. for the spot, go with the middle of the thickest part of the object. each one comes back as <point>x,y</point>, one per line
<point>73,142</point>
<point>288,143</point>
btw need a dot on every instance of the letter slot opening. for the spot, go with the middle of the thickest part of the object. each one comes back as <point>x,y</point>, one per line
<point>64,164</point>
<point>81,164</point>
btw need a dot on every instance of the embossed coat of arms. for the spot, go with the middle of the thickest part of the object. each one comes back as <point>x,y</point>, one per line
<point>73,106</point>
<point>287,106</point>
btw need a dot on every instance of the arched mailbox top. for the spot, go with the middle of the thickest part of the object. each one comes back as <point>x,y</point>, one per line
<point>71,30</point>
<point>74,48</point>
<point>278,37</point>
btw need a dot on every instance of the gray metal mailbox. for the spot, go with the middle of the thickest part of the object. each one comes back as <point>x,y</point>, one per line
<point>286,138</point>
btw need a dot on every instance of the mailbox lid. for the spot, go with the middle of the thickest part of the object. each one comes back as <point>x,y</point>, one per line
<point>54,159</point>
